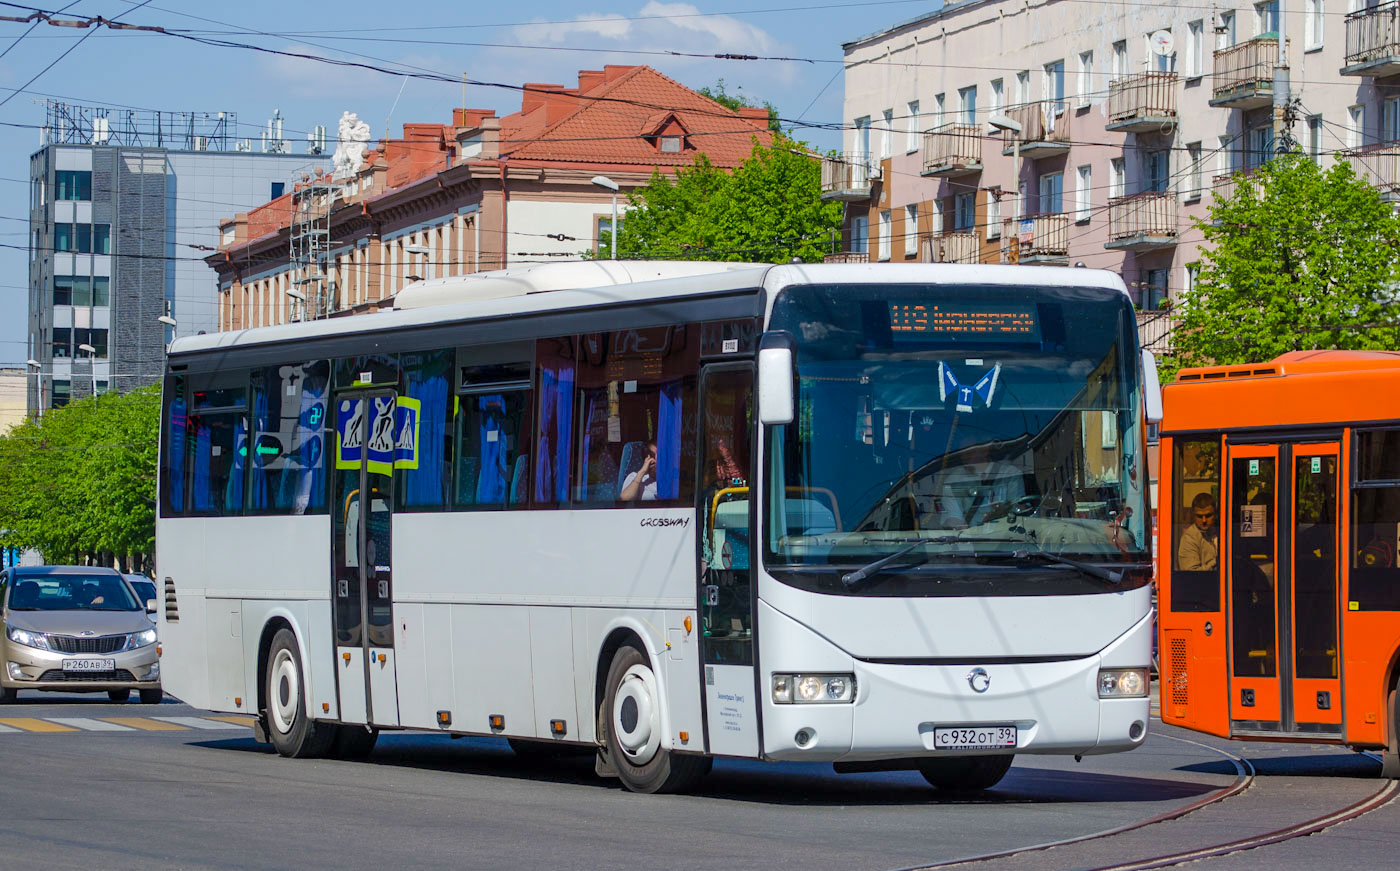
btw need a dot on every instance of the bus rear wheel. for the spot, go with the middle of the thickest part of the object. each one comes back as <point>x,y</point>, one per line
<point>631,726</point>
<point>292,732</point>
<point>966,773</point>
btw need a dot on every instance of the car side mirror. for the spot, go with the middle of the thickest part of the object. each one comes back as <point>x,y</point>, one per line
<point>150,606</point>
<point>776,371</point>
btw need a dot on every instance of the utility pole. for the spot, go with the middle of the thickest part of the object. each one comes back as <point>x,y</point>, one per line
<point>1283,115</point>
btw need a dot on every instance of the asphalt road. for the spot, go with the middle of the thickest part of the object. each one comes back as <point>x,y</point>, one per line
<point>136,786</point>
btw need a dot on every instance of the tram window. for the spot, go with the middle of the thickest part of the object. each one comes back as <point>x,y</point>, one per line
<point>1252,570</point>
<point>287,470</point>
<point>1375,525</point>
<point>424,471</point>
<point>1378,455</point>
<point>1315,565</point>
<point>636,414</point>
<point>1195,578</point>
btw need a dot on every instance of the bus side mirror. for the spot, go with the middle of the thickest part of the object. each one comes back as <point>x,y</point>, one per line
<point>775,378</point>
<point>1151,388</point>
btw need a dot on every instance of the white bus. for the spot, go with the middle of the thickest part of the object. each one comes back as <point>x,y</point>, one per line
<point>883,516</point>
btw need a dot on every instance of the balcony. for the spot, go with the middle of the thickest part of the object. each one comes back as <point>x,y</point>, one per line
<point>1373,41</point>
<point>847,257</point>
<point>955,246</point>
<point>1155,330</point>
<point>1040,239</point>
<point>952,150</point>
<point>1044,131</point>
<point>1142,103</point>
<point>1144,222</point>
<point>1379,165</point>
<point>1243,75</point>
<point>847,177</point>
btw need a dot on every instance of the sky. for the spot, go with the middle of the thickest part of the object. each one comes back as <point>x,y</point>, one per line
<point>533,41</point>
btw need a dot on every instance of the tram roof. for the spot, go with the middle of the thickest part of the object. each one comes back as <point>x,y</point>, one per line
<point>543,288</point>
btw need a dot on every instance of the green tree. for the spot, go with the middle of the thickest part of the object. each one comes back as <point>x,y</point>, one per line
<point>768,210</point>
<point>1296,258</point>
<point>80,482</point>
<point>735,101</point>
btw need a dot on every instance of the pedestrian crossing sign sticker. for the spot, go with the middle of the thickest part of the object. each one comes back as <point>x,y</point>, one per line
<point>380,432</point>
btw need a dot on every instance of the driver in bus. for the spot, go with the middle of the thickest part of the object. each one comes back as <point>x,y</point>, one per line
<point>1200,543</point>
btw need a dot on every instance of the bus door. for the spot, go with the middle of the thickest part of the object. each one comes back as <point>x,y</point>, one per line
<point>1282,576</point>
<point>368,425</point>
<point>726,579</point>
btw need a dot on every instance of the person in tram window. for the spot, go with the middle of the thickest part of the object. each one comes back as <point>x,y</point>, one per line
<point>641,484</point>
<point>1200,544</point>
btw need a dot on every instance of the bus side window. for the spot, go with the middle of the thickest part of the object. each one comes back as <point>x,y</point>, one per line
<point>172,447</point>
<point>1375,523</point>
<point>424,478</point>
<point>217,439</point>
<point>492,426</point>
<point>287,472</point>
<point>1195,560</point>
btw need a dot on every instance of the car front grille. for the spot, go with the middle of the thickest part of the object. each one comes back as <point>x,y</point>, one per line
<point>58,674</point>
<point>74,644</point>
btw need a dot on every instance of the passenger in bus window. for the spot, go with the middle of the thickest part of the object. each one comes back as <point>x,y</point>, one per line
<point>1200,543</point>
<point>641,484</point>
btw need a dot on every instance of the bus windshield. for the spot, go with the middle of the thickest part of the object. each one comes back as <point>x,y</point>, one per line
<point>978,433</point>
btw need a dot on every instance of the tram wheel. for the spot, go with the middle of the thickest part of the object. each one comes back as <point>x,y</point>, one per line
<point>631,724</point>
<point>289,728</point>
<point>966,773</point>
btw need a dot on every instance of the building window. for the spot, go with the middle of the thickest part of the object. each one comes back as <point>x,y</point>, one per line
<point>1225,31</point>
<point>911,143</point>
<point>1225,155</point>
<point>1356,125</point>
<point>277,188</point>
<point>97,338</point>
<point>1084,183</point>
<point>1193,181</point>
<point>886,231</point>
<point>887,134</point>
<point>1052,193</point>
<point>938,224</point>
<point>1261,146</point>
<point>83,238</point>
<point>964,212</point>
<point>860,235</point>
<point>61,394</point>
<point>993,216</point>
<point>967,105</point>
<point>670,145</point>
<point>80,290</point>
<point>1085,88</point>
<point>1193,276</point>
<point>1120,58</point>
<point>1312,24</point>
<point>1195,47</point>
<point>1155,169</point>
<point>1053,86</point>
<point>998,97</point>
<point>1023,87</point>
<point>602,232</point>
<point>911,230</point>
<point>940,109</point>
<point>1266,18</point>
<point>862,147</point>
<point>1154,288</point>
<point>1390,119</point>
<point>72,184</point>
<point>1314,138</point>
<point>1117,180</point>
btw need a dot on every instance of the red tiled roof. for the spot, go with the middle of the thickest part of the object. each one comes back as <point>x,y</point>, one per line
<point>607,123</point>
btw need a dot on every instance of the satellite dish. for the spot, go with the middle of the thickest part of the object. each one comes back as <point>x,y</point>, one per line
<point>1162,43</point>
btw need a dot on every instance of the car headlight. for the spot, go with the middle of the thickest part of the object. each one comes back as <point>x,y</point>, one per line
<point>1123,683</point>
<point>813,689</point>
<point>140,639</point>
<point>37,640</point>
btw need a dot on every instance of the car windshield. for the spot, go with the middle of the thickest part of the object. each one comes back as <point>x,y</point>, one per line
<point>965,426</point>
<point>145,590</point>
<point>72,593</point>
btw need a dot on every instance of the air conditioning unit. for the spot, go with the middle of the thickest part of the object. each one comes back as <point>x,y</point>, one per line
<point>201,143</point>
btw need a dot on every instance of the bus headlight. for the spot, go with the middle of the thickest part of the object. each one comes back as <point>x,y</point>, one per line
<point>1122,683</point>
<point>813,689</point>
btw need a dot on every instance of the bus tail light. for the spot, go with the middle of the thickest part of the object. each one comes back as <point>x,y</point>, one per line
<point>813,689</point>
<point>1123,683</point>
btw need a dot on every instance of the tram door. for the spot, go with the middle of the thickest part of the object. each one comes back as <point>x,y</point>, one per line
<point>1282,582</point>
<point>367,427</point>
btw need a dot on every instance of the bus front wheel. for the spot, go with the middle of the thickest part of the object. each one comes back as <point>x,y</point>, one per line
<point>292,732</point>
<point>631,724</point>
<point>965,773</point>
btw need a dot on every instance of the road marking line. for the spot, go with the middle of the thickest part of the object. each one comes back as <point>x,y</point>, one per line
<point>33,724</point>
<point>235,719</point>
<point>146,724</point>
<point>4,729</point>
<point>195,722</point>
<point>88,724</point>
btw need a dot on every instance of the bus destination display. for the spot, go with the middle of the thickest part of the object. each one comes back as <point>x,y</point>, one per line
<point>924,321</point>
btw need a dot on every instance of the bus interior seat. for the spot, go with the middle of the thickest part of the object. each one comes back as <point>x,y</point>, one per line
<point>603,485</point>
<point>466,482</point>
<point>633,455</point>
<point>518,488</point>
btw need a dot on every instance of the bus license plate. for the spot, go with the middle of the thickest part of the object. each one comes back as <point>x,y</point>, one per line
<point>974,738</point>
<point>89,665</point>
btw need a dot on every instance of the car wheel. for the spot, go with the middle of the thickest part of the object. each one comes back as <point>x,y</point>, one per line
<point>8,695</point>
<point>632,730</point>
<point>152,697</point>
<point>966,773</point>
<point>353,742</point>
<point>121,697</point>
<point>292,732</point>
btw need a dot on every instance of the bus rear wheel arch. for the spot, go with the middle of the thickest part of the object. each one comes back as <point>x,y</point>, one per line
<point>629,730</point>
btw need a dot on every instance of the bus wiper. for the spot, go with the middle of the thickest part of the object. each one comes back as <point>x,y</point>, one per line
<point>1103,574</point>
<point>851,579</point>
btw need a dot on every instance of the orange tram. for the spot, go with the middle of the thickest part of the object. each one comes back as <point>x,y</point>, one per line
<point>1279,525</point>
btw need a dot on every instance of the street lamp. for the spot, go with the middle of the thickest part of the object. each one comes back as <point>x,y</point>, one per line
<point>427,260</point>
<point>92,365</point>
<point>170,322</point>
<point>603,181</point>
<point>38,383</point>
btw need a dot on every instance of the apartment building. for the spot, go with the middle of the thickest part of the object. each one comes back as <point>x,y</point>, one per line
<point>481,193</point>
<point>1072,132</point>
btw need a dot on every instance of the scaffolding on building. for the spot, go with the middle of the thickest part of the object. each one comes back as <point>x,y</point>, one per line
<point>71,124</point>
<point>314,289</point>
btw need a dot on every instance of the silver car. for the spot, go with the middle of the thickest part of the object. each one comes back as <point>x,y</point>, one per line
<point>76,629</point>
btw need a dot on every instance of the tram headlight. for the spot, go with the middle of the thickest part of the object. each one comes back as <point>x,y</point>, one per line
<point>813,689</point>
<point>1123,683</point>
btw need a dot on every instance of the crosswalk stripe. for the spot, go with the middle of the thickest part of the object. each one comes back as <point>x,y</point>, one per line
<point>235,719</point>
<point>88,724</point>
<point>33,724</point>
<point>194,722</point>
<point>4,729</point>
<point>145,724</point>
